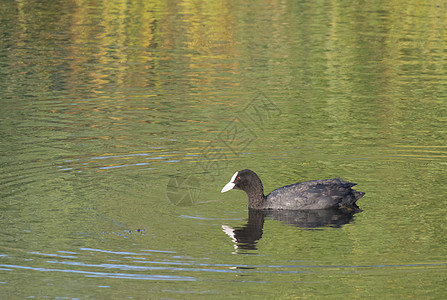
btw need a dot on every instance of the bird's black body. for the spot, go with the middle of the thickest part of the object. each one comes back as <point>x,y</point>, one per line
<point>315,194</point>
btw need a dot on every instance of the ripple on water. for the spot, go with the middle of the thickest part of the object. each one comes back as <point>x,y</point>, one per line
<point>179,269</point>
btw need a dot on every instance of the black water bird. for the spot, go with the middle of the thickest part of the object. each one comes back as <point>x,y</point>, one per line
<point>315,194</point>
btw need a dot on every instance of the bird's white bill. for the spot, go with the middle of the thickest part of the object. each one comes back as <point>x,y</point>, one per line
<point>227,187</point>
<point>230,185</point>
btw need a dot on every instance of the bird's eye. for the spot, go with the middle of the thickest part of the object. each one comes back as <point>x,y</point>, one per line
<point>238,178</point>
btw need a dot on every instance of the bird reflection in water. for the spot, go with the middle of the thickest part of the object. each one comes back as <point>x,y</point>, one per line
<point>247,236</point>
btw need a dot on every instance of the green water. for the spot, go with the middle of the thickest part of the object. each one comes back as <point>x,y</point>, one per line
<point>120,122</point>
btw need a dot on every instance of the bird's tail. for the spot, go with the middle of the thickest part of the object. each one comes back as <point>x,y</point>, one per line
<point>349,203</point>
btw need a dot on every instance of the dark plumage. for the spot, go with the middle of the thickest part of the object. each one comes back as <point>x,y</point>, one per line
<point>315,194</point>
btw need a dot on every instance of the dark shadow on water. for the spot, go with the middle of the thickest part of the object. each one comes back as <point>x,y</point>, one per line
<point>247,236</point>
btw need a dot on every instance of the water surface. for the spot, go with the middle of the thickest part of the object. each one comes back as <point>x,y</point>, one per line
<point>121,121</point>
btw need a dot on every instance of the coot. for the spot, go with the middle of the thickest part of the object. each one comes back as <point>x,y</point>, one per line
<point>315,194</point>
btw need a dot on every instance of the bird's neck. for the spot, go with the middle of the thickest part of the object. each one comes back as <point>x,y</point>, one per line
<point>256,198</point>
<point>255,192</point>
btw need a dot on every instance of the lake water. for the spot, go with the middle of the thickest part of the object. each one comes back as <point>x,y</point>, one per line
<point>122,120</point>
